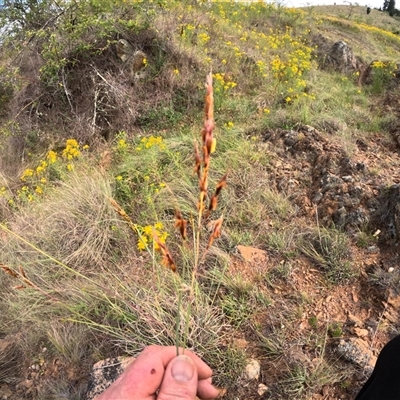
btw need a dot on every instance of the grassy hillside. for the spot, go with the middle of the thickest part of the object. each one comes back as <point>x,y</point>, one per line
<point>105,246</point>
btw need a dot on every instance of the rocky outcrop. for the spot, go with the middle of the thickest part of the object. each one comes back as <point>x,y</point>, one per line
<point>341,57</point>
<point>336,55</point>
<point>323,180</point>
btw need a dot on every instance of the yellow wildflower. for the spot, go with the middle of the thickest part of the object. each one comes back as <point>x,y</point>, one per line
<point>158,225</point>
<point>122,144</point>
<point>27,174</point>
<point>148,230</point>
<point>52,156</point>
<point>142,243</point>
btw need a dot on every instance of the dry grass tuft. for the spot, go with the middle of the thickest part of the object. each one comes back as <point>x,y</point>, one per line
<point>75,224</point>
<point>10,357</point>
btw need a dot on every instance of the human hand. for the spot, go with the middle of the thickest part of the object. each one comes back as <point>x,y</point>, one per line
<point>157,374</point>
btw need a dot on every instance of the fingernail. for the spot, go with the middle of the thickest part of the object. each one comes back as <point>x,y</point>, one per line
<point>182,369</point>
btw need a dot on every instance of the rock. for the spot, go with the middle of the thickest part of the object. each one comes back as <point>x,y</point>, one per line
<point>104,373</point>
<point>252,254</point>
<point>361,332</point>
<point>342,58</point>
<point>357,351</point>
<point>348,178</point>
<point>336,55</point>
<point>124,49</point>
<point>262,389</point>
<point>252,370</point>
<point>136,61</point>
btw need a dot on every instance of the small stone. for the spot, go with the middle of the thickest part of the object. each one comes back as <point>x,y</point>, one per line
<point>252,254</point>
<point>354,320</point>
<point>252,370</point>
<point>289,141</point>
<point>348,178</point>
<point>361,332</point>
<point>372,249</point>
<point>44,349</point>
<point>357,351</point>
<point>391,269</point>
<point>262,389</point>
<point>360,166</point>
<point>27,383</point>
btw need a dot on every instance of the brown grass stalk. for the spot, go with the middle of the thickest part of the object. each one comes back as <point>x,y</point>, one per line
<point>21,276</point>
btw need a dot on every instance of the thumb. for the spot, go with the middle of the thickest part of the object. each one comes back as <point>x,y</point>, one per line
<point>180,380</point>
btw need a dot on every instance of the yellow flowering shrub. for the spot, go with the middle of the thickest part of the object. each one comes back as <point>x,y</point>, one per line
<point>147,233</point>
<point>35,179</point>
<point>51,157</point>
<point>71,150</point>
<point>382,74</point>
<point>223,82</point>
<point>151,141</point>
<point>122,145</point>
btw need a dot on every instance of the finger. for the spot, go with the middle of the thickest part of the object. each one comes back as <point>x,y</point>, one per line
<point>144,376</point>
<point>206,390</point>
<point>203,370</point>
<point>180,380</point>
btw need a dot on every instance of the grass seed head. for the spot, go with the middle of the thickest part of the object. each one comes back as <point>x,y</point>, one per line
<point>8,271</point>
<point>181,224</point>
<point>216,233</point>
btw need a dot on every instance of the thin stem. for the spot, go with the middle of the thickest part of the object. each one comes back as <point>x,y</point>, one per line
<point>177,324</point>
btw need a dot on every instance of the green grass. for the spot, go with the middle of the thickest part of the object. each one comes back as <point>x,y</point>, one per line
<point>329,248</point>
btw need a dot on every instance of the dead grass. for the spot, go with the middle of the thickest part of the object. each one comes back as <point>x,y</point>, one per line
<point>75,225</point>
<point>10,361</point>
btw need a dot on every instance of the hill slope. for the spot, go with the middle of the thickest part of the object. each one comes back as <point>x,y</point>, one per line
<point>101,103</point>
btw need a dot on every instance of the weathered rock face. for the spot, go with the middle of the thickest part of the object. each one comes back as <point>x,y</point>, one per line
<point>357,351</point>
<point>336,55</point>
<point>104,373</point>
<point>341,57</point>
